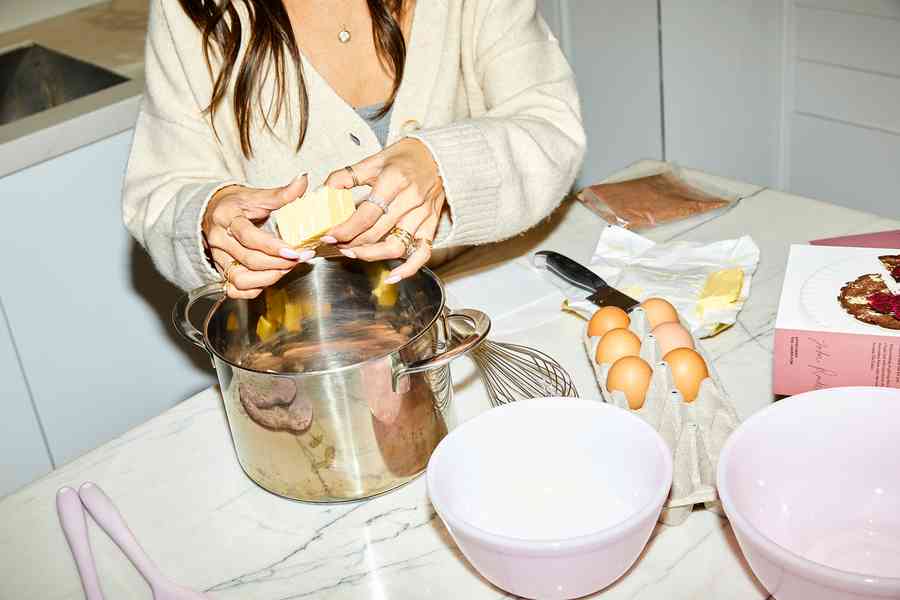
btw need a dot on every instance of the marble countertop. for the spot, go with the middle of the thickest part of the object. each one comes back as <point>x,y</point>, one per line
<point>178,483</point>
<point>108,34</point>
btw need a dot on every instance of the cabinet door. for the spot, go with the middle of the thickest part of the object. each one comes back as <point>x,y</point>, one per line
<point>722,86</point>
<point>21,444</point>
<point>614,49</point>
<point>88,311</point>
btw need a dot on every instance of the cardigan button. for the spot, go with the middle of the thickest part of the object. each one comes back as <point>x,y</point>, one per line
<point>354,139</point>
<point>410,126</point>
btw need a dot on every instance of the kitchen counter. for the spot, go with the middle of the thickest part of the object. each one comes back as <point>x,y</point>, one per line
<point>109,34</point>
<point>178,483</point>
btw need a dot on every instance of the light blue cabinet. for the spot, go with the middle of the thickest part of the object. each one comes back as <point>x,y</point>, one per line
<point>22,445</point>
<point>86,308</point>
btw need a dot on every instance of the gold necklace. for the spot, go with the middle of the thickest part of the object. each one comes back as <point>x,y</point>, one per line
<point>344,35</point>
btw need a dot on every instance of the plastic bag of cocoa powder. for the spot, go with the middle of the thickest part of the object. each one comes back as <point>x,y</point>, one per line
<point>660,197</point>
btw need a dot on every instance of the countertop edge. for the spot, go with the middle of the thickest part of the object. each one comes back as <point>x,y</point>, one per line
<point>79,123</point>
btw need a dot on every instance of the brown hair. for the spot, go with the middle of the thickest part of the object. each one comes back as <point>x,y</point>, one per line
<point>271,43</point>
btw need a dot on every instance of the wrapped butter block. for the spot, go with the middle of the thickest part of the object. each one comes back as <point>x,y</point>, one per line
<point>305,220</point>
<point>695,432</point>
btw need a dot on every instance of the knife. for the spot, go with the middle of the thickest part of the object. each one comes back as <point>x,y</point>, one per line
<point>602,294</point>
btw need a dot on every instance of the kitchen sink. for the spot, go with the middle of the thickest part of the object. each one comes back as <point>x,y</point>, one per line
<point>34,78</point>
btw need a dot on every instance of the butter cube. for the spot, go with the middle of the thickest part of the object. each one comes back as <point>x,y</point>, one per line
<point>722,289</point>
<point>302,222</point>
<point>276,299</point>
<point>293,316</point>
<point>265,329</point>
<point>385,293</point>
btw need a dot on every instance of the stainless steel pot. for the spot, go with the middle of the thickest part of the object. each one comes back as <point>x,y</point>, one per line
<point>335,388</point>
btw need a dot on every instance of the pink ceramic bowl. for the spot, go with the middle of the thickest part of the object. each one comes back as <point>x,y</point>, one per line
<point>811,486</point>
<point>551,498</point>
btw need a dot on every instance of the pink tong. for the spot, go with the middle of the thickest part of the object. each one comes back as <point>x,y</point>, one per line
<point>71,504</point>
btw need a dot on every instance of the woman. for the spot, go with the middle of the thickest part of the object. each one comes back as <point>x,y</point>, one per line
<point>459,121</point>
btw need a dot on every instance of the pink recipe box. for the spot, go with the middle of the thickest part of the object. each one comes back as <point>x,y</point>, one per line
<point>819,345</point>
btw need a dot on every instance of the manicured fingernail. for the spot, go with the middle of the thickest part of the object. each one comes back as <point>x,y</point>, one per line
<point>289,254</point>
<point>307,255</point>
<point>348,253</point>
<point>329,239</point>
<point>392,279</point>
<point>299,177</point>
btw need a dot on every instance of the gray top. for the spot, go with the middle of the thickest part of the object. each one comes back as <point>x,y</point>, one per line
<point>379,126</point>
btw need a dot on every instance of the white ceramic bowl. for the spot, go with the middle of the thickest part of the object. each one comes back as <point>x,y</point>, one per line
<point>811,485</point>
<point>553,497</point>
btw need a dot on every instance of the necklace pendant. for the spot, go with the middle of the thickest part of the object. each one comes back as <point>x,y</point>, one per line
<point>344,36</point>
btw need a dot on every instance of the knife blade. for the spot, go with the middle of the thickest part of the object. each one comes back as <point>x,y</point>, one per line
<point>574,273</point>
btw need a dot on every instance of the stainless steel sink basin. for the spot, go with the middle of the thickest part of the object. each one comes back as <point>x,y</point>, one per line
<point>34,79</point>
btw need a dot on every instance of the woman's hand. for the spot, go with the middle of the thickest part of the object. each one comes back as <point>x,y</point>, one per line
<point>405,181</point>
<point>249,258</point>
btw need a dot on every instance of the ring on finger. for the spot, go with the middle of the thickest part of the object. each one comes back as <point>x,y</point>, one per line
<point>379,202</point>
<point>350,170</point>
<point>229,269</point>
<point>405,238</point>
<point>419,244</point>
<point>422,243</point>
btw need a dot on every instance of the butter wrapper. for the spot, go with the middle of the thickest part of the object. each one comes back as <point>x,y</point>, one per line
<point>677,271</point>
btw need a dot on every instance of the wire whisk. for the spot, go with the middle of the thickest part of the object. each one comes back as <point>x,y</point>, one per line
<point>512,372</point>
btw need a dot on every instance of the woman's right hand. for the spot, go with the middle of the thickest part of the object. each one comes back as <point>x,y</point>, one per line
<point>249,258</point>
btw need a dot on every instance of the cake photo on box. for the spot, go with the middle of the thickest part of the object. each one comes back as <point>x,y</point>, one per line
<point>869,299</point>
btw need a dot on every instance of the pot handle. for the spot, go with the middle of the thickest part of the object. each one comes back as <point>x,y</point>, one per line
<point>181,313</point>
<point>480,325</point>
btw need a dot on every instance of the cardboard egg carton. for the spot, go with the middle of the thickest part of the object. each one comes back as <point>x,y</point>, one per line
<point>694,431</point>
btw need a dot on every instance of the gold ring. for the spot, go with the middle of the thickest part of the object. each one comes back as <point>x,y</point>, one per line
<point>228,270</point>
<point>350,170</point>
<point>405,237</point>
<point>425,242</point>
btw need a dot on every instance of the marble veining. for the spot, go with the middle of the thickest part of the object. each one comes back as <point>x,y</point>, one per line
<point>178,483</point>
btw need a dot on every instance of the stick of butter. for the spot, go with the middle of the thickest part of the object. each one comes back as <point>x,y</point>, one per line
<point>302,222</point>
<point>722,289</point>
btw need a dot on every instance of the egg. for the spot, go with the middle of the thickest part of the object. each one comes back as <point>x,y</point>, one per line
<point>631,376</point>
<point>617,343</point>
<point>608,317</point>
<point>659,311</point>
<point>672,335</point>
<point>688,370</point>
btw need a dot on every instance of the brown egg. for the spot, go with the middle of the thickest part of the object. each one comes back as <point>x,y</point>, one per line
<point>608,317</point>
<point>659,311</point>
<point>617,343</point>
<point>688,370</point>
<point>672,335</point>
<point>630,375</point>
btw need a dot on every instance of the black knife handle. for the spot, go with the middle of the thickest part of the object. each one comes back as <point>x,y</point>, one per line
<point>568,270</point>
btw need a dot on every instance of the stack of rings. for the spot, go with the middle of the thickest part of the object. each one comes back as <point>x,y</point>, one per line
<point>410,244</point>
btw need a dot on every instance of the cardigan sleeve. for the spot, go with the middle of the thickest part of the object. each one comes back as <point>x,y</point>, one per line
<point>505,170</point>
<point>176,164</point>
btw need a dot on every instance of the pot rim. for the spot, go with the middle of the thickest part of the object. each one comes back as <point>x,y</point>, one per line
<point>218,355</point>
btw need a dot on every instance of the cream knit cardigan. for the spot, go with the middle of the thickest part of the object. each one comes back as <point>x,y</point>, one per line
<point>486,88</point>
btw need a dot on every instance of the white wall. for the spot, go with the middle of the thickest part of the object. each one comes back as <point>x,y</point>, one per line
<point>722,86</point>
<point>17,13</point>
<point>613,48</point>
<point>842,106</point>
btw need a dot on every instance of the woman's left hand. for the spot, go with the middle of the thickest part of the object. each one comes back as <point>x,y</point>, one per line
<point>405,181</point>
